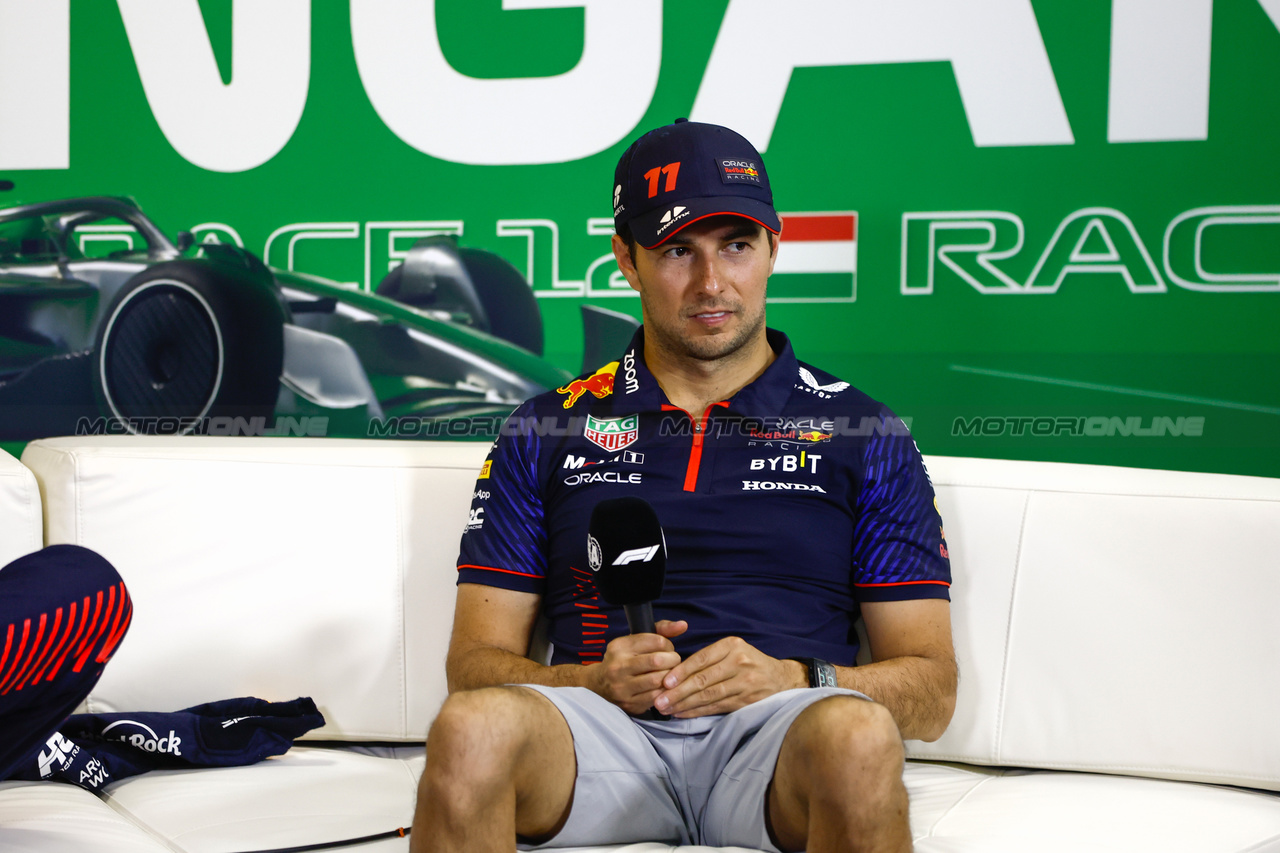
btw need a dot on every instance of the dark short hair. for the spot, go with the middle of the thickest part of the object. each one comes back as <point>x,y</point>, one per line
<point>624,231</point>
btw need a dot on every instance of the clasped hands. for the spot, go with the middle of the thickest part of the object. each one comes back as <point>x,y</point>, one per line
<point>640,671</point>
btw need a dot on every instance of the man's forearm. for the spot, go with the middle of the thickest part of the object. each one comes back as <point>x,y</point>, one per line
<point>489,666</point>
<point>920,692</point>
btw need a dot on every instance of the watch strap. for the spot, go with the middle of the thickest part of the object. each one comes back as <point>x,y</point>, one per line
<point>821,673</point>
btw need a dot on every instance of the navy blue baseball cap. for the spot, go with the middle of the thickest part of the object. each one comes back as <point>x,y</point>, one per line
<point>675,175</point>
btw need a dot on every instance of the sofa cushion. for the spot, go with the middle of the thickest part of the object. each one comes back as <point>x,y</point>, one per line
<point>977,810</point>
<point>21,524</point>
<point>274,568</point>
<point>49,817</point>
<point>323,794</point>
<point>311,795</point>
<point>1113,619</point>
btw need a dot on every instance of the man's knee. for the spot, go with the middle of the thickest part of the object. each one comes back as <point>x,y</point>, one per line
<point>499,748</point>
<point>845,735</point>
<point>481,733</point>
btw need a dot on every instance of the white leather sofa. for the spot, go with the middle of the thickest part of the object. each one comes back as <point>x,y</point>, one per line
<point>1116,630</point>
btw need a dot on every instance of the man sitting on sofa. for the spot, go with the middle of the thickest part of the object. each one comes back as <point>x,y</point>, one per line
<point>784,521</point>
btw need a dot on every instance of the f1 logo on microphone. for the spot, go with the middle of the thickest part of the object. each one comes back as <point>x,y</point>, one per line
<point>636,555</point>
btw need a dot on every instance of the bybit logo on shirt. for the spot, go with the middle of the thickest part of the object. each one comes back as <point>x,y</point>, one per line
<point>789,462</point>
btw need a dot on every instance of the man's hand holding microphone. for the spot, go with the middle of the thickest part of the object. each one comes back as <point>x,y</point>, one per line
<point>642,673</point>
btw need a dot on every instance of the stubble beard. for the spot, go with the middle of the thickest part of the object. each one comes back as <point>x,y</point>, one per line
<point>708,347</point>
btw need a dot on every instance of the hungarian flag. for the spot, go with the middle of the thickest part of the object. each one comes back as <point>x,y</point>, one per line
<point>818,258</point>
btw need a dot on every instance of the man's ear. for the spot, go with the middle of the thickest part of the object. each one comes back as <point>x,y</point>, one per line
<point>622,253</point>
<point>775,240</point>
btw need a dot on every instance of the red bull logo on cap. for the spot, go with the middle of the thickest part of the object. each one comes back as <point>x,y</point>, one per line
<point>599,383</point>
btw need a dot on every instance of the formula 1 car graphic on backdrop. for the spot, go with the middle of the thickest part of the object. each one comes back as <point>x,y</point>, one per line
<point>103,317</point>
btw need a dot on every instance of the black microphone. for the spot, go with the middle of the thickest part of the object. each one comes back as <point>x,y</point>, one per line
<point>627,552</point>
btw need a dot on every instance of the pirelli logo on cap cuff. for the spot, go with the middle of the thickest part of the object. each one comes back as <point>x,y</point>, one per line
<point>735,171</point>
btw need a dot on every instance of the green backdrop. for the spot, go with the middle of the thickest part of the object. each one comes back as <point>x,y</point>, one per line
<point>1091,279</point>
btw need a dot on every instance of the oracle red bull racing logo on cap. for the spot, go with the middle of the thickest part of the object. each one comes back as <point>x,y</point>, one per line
<point>599,383</point>
<point>612,434</point>
<point>733,170</point>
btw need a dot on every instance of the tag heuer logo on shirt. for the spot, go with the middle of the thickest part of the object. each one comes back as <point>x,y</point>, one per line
<point>612,434</point>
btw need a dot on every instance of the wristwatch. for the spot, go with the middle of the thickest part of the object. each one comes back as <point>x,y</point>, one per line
<point>821,673</point>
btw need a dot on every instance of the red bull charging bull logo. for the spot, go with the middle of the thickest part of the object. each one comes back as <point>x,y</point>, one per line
<point>599,383</point>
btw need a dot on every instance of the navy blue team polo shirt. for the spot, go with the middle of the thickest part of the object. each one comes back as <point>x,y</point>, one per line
<point>783,507</point>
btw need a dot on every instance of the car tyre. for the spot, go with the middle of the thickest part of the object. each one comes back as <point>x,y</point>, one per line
<point>182,342</point>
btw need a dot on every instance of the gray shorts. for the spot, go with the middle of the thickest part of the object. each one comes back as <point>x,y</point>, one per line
<point>699,781</point>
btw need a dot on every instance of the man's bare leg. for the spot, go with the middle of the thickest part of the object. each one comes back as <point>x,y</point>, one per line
<point>500,761</point>
<point>838,783</point>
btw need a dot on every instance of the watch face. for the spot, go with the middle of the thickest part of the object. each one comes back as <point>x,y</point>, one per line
<point>824,675</point>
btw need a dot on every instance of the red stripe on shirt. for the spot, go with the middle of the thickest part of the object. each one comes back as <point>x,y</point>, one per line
<point>84,621</point>
<point>33,675</point>
<point>26,632</point>
<point>66,634</point>
<point>695,451</point>
<point>118,629</point>
<point>96,630</point>
<point>8,646</point>
<point>493,569</point>
<point>31,656</point>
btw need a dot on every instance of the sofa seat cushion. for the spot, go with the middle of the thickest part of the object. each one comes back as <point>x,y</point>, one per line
<point>50,817</point>
<point>316,794</point>
<point>969,809</point>
<point>309,795</point>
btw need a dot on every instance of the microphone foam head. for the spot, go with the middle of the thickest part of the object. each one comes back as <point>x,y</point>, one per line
<point>627,551</point>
